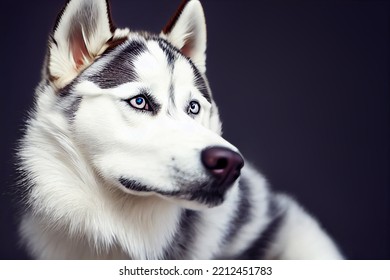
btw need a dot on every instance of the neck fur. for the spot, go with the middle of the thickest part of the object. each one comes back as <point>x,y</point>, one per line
<point>67,194</point>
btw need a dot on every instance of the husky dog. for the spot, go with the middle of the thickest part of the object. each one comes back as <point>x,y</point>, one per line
<point>123,157</point>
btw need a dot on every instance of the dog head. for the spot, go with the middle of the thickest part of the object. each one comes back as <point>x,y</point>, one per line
<point>139,105</point>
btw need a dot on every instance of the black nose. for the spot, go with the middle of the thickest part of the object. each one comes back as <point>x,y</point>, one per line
<point>223,163</point>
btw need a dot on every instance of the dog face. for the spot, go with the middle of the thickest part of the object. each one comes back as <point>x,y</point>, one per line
<point>139,106</point>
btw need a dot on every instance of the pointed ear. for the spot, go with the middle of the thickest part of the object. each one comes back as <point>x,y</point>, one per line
<point>80,35</point>
<point>187,31</point>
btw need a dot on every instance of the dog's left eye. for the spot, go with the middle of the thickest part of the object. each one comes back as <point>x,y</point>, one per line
<point>140,103</point>
<point>193,108</point>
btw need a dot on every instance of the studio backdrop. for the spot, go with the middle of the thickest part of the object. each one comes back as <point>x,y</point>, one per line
<point>303,92</point>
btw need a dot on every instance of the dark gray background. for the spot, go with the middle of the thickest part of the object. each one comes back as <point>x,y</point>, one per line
<point>303,90</point>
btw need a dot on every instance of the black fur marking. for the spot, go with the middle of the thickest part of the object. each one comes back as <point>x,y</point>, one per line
<point>206,194</point>
<point>201,84</point>
<point>110,21</point>
<point>257,250</point>
<point>203,193</point>
<point>172,53</point>
<point>73,107</point>
<point>183,239</point>
<point>65,91</point>
<point>242,215</point>
<point>67,101</point>
<point>172,95</point>
<point>137,186</point>
<point>120,69</point>
<point>59,16</point>
<point>168,50</point>
<point>172,105</point>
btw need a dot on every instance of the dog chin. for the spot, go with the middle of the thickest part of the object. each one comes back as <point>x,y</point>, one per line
<point>202,202</point>
<point>191,204</point>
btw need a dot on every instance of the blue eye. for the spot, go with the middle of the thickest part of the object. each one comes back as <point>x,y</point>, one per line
<point>140,102</point>
<point>193,108</point>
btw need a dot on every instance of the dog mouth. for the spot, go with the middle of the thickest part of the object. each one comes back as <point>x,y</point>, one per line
<point>205,193</point>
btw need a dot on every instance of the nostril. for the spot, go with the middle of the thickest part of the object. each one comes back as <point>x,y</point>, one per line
<point>222,163</point>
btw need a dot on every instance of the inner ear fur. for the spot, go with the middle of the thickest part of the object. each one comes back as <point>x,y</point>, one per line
<point>83,31</point>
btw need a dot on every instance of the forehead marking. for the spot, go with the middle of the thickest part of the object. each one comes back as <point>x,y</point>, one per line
<point>120,69</point>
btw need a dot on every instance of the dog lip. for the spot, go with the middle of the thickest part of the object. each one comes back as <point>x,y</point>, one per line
<point>139,187</point>
<point>207,193</point>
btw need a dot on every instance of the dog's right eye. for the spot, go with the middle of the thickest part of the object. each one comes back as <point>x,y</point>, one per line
<point>193,108</point>
<point>140,102</point>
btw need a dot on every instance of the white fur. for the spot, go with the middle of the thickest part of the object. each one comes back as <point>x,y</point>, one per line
<point>301,236</point>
